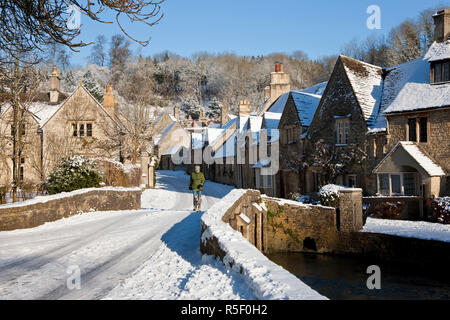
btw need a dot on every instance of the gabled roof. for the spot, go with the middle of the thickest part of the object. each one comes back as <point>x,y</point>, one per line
<point>407,86</point>
<point>306,104</point>
<point>272,120</point>
<point>367,84</point>
<point>420,157</point>
<point>164,134</point>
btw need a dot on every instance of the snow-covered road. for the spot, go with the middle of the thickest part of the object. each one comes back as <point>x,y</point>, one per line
<point>151,253</point>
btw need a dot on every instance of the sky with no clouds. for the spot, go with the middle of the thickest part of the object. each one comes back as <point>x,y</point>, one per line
<point>257,27</point>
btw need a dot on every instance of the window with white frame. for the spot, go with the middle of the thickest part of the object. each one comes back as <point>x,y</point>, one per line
<point>342,131</point>
<point>263,181</point>
<point>398,184</point>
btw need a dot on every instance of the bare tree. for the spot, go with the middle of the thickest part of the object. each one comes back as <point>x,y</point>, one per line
<point>98,54</point>
<point>119,53</point>
<point>29,25</point>
<point>21,81</point>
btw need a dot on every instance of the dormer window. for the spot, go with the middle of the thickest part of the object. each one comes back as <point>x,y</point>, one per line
<point>440,72</point>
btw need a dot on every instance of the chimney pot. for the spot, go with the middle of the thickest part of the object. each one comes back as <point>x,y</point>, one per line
<point>277,67</point>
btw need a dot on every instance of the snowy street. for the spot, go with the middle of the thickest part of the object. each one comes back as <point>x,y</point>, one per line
<point>151,253</point>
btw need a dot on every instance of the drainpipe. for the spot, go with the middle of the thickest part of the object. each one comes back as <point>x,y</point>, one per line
<point>40,132</point>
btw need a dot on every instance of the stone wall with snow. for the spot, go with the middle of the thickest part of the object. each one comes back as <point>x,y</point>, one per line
<point>35,212</point>
<point>267,279</point>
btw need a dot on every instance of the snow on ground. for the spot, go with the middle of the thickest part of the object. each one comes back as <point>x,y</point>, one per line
<point>151,253</point>
<point>409,229</point>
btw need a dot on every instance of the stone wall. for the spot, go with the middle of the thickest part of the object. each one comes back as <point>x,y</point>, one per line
<point>35,212</point>
<point>294,227</point>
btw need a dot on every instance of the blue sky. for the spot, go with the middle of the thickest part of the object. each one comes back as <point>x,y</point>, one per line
<point>255,27</point>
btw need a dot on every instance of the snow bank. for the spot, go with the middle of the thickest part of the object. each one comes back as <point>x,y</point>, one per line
<point>267,279</point>
<point>409,229</point>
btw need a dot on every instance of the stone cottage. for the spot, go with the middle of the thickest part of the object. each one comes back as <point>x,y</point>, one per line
<point>416,103</point>
<point>56,125</point>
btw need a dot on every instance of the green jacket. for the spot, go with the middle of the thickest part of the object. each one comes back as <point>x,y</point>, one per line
<point>197,179</point>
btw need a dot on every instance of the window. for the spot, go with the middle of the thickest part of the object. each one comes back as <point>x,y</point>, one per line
<point>441,72</point>
<point>342,131</point>
<point>423,129</point>
<point>89,131</point>
<point>21,175</point>
<point>412,135</point>
<point>291,135</point>
<point>446,71</point>
<point>383,184</point>
<point>438,72</point>
<point>81,130</point>
<point>352,180</point>
<point>22,160</point>
<point>74,129</point>
<point>22,129</point>
<point>398,184</point>
<point>263,181</point>
<point>409,182</point>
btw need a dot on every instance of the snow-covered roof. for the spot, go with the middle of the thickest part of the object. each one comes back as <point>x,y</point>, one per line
<point>272,120</point>
<point>367,84</point>
<point>43,111</point>
<point>264,163</point>
<point>164,133</point>
<point>306,104</point>
<point>197,140</point>
<point>228,149</point>
<point>279,104</point>
<point>407,87</point>
<point>172,150</point>
<point>438,51</point>
<point>243,123</point>
<point>255,122</point>
<point>317,89</point>
<point>210,135</point>
<point>419,156</point>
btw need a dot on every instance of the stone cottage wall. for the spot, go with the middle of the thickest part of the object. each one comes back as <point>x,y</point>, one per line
<point>35,212</point>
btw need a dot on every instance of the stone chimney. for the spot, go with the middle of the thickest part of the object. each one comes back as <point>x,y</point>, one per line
<point>280,82</point>
<point>109,102</point>
<point>176,113</point>
<point>245,108</point>
<point>54,85</point>
<point>224,118</point>
<point>442,25</point>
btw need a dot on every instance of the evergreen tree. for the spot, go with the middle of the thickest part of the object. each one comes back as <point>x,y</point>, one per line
<point>214,109</point>
<point>92,86</point>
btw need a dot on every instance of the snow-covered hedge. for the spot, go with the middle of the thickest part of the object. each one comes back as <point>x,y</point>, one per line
<point>74,173</point>
<point>329,195</point>
<point>267,279</point>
